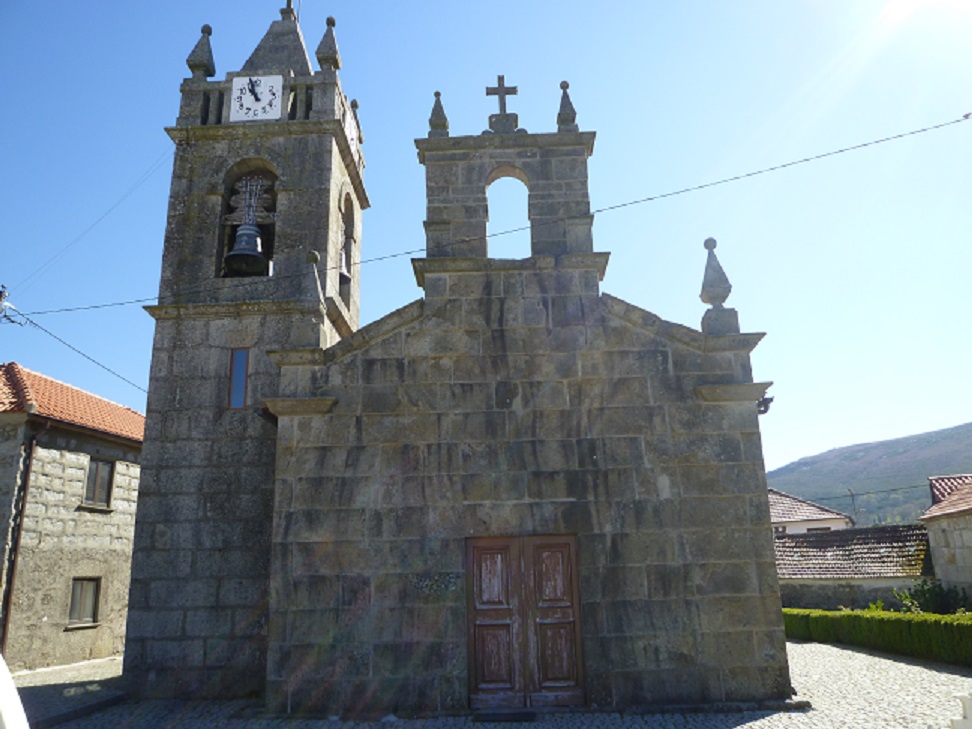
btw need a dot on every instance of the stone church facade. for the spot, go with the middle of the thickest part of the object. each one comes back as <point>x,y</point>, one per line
<point>517,491</point>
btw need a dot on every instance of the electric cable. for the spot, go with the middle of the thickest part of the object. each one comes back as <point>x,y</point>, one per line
<point>461,241</point>
<point>74,349</point>
<point>29,281</point>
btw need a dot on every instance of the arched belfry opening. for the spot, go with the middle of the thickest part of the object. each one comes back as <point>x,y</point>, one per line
<point>248,225</point>
<point>348,249</point>
<point>508,221</point>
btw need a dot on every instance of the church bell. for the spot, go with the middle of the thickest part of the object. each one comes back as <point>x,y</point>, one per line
<point>246,258</point>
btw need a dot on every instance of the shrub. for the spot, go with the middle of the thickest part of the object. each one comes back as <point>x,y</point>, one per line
<point>931,596</point>
<point>946,638</point>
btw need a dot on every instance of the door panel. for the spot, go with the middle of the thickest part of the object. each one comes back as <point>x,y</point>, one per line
<point>554,616</point>
<point>524,622</point>
<point>495,661</point>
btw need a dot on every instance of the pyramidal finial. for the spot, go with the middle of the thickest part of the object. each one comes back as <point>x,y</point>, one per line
<point>715,284</point>
<point>327,52</point>
<point>288,13</point>
<point>200,61</point>
<point>438,122</point>
<point>567,116</point>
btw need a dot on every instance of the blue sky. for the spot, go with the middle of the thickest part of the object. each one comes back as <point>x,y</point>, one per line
<point>856,266</point>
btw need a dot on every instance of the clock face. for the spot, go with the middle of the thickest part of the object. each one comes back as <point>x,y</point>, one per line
<point>256,97</point>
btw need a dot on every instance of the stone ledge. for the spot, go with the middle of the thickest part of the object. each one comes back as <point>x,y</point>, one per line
<point>226,309</point>
<point>284,406</point>
<point>739,392</point>
<point>472,144</point>
<point>565,262</point>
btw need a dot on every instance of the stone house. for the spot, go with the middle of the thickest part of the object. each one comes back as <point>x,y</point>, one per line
<point>949,524</point>
<point>851,567</point>
<point>793,515</point>
<point>68,486</point>
<point>516,491</point>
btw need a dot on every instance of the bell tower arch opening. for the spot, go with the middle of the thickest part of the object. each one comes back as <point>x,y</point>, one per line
<point>508,226</point>
<point>249,212</point>
<point>348,248</point>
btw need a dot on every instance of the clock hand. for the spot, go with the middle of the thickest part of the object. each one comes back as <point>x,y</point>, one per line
<point>253,91</point>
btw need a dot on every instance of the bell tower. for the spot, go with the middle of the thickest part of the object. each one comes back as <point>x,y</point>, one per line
<point>261,253</point>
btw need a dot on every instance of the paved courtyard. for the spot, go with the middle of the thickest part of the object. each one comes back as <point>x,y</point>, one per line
<point>847,688</point>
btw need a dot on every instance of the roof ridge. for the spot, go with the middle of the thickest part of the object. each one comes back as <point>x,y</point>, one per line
<point>807,501</point>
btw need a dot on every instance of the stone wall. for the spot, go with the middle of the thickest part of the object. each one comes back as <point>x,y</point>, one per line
<point>197,620</point>
<point>844,593</point>
<point>63,539</point>
<point>516,400</point>
<point>950,540</point>
<point>13,435</point>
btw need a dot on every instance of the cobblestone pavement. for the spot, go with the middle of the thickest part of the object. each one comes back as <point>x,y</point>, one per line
<point>847,687</point>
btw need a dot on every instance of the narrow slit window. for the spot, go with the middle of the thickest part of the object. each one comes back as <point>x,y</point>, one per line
<point>84,600</point>
<point>238,370</point>
<point>97,490</point>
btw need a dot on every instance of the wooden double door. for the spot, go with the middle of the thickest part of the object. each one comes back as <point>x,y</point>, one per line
<point>524,622</point>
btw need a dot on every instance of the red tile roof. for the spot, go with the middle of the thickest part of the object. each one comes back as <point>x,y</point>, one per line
<point>24,391</point>
<point>786,508</point>
<point>868,552</point>
<point>942,486</point>
<point>957,501</point>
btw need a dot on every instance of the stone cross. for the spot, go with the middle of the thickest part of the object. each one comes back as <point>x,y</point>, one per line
<point>502,91</point>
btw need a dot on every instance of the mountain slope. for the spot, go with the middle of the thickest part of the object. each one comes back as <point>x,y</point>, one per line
<point>897,468</point>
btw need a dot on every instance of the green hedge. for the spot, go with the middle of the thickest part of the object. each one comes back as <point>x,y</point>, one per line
<point>946,638</point>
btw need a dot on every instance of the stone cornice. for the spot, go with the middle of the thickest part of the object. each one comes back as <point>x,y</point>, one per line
<point>736,392</point>
<point>284,406</point>
<point>471,144</point>
<point>733,342</point>
<point>233,309</point>
<point>250,130</point>
<point>296,357</point>
<point>567,261</point>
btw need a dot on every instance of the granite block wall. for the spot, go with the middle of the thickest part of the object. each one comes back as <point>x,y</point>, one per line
<point>63,538</point>
<point>516,400</point>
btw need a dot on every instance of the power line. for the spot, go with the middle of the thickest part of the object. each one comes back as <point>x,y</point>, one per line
<point>29,281</point>
<point>608,208</point>
<point>870,493</point>
<point>106,368</point>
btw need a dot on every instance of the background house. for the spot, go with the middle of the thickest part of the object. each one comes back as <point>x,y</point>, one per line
<point>850,567</point>
<point>949,524</point>
<point>793,515</point>
<point>68,486</point>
